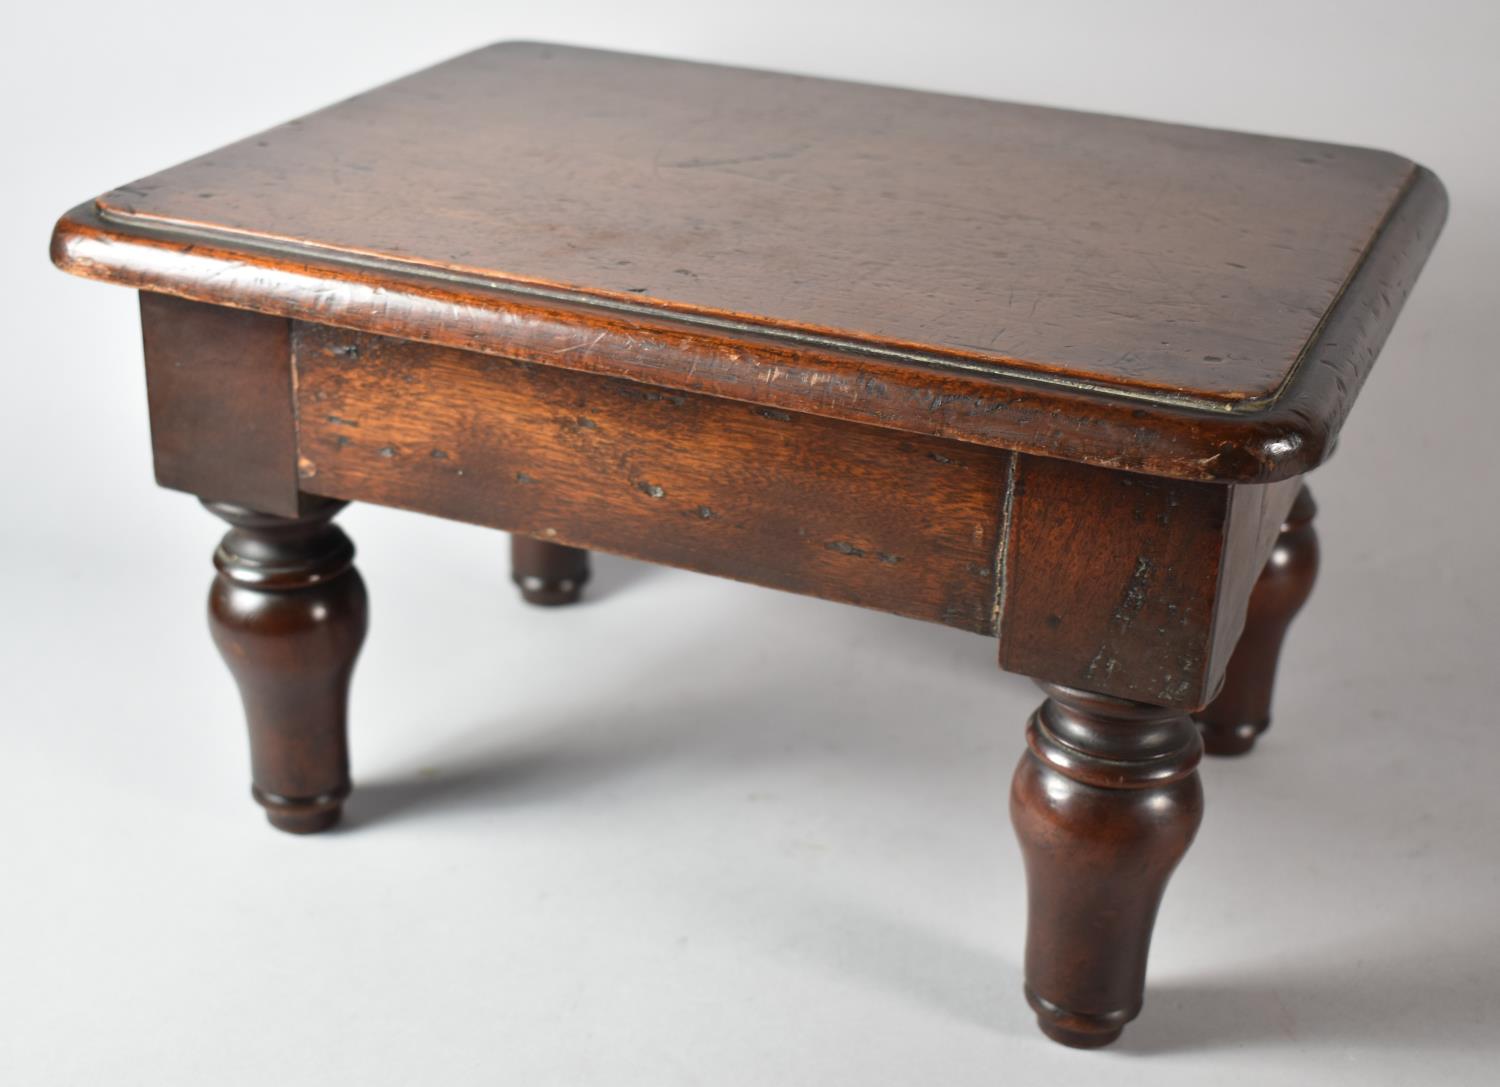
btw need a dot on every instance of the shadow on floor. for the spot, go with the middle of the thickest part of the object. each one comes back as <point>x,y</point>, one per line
<point>1427,985</point>
<point>1413,986</point>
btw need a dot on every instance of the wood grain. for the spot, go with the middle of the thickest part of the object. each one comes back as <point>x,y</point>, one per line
<point>219,386</point>
<point>856,514</point>
<point>1130,585</point>
<point>1031,373</point>
<point>1105,803</point>
<point>1242,710</point>
<point>288,613</point>
<point>1154,298</point>
<point>1117,251</point>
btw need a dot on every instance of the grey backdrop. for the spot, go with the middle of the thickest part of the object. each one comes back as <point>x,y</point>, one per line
<point>753,839</point>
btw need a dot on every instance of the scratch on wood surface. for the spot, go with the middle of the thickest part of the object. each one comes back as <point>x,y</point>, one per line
<point>1002,545</point>
<point>579,346</point>
<point>738,160</point>
<point>1134,598</point>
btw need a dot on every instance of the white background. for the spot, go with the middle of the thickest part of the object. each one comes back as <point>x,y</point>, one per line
<point>695,832</point>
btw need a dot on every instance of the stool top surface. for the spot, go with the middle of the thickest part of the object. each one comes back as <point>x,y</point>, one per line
<point>966,246</point>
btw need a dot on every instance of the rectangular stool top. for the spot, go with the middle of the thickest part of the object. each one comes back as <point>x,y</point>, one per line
<point>1176,300</point>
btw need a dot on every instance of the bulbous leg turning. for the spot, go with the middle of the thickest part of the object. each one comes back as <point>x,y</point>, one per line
<point>288,613</point>
<point>548,574</point>
<point>1242,711</point>
<point>1105,802</point>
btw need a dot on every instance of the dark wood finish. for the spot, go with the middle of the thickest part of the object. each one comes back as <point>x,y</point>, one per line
<point>738,185</point>
<point>548,574</point>
<point>219,383</point>
<point>1105,802</point>
<point>797,502</point>
<point>1043,375</point>
<point>1242,710</point>
<point>288,613</point>
<point>1129,585</point>
<point>1157,298</point>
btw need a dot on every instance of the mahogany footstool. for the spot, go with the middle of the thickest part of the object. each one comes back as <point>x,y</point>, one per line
<point>1049,377</point>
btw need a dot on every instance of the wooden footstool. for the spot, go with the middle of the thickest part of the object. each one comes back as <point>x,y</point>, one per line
<point>1049,377</point>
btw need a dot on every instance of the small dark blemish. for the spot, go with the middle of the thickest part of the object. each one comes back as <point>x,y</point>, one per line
<point>522,477</point>
<point>339,441</point>
<point>651,394</point>
<point>637,290</point>
<point>438,454</point>
<point>843,547</point>
<point>651,489</point>
<point>340,421</point>
<point>942,459</point>
<point>347,350</point>
<point>772,413</point>
<point>706,514</point>
<point>1213,358</point>
<point>887,558</point>
<point>1241,267</point>
<point>1054,621</point>
<point>586,423</point>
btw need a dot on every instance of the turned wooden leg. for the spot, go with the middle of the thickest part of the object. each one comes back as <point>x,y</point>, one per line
<point>1242,711</point>
<point>547,573</point>
<point>1105,802</point>
<point>288,613</point>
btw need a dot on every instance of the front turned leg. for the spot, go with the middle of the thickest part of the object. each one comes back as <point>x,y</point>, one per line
<point>547,574</point>
<point>1105,802</point>
<point>288,613</point>
<point>1242,711</point>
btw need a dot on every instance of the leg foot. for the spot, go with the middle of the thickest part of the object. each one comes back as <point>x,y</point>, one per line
<point>1105,802</point>
<point>548,574</point>
<point>288,613</point>
<point>1242,711</point>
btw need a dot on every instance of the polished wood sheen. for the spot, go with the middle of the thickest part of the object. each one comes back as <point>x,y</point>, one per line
<point>1105,802</point>
<point>1129,585</point>
<point>857,514</point>
<point>808,205</point>
<point>219,385</point>
<point>288,613</point>
<point>1048,377</point>
<point>1242,711</point>
<point>1174,300</point>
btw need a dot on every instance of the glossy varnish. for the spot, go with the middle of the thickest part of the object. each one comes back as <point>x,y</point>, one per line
<point>1166,299</point>
<point>1045,376</point>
